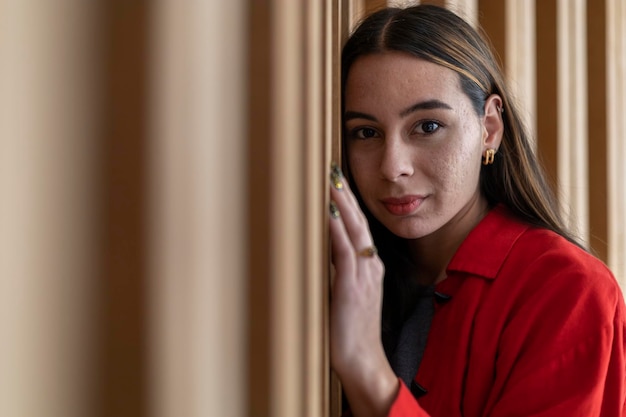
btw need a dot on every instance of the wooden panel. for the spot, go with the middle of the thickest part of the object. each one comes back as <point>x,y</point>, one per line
<point>198,205</point>
<point>572,115</point>
<point>598,126</point>
<point>402,3</point>
<point>373,5</point>
<point>492,18</point>
<point>294,113</point>
<point>49,216</point>
<point>547,75</point>
<point>337,30</point>
<point>123,272</point>
<point>341,17</point>
<point>510,26</point>
<point>467,9</point>
<point>441,3</point>
<point>259,154</point>
<point>316,368</point>
<point>286,203</point>
<point>520,58</point>
<point>170,245</point>
<point>616,108</point>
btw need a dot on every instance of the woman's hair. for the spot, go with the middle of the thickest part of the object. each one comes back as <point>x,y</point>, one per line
<point>515,179</point>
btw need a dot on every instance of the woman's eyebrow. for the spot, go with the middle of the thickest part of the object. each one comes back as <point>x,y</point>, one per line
<point>349,115</point>
<point>422,105</point>
<point>425,105</point>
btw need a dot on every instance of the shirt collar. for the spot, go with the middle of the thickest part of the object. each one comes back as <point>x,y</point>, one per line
<point>486,247</point>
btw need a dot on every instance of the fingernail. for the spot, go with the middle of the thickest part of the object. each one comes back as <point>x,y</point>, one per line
<point>336,176</point>
<point>334,210</point>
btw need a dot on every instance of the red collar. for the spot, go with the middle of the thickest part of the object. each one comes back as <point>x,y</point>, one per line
<point>485,249</point>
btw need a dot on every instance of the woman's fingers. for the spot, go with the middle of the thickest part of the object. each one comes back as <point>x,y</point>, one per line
<point>352,217</point>
<point>341,246</point>
<point>357,288</point>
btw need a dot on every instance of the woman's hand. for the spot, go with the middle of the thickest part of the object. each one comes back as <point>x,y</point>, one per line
<point>356,350</point>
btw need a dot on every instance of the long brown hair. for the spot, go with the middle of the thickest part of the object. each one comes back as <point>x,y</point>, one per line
<point>515,179</point>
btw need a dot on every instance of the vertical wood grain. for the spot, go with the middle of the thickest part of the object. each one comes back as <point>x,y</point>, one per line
<point>616,107</point>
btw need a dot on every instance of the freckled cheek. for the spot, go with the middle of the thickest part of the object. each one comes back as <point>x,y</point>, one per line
<point>457,170</point>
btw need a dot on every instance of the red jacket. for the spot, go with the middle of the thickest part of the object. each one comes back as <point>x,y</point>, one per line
<point>534,326</point>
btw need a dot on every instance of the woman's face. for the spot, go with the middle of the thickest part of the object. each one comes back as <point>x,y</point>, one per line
<point>414,143</point>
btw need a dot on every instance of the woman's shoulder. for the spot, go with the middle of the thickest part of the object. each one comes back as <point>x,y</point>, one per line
<point>520,259</point>
<point>538,259</point>
<point>502,239</point>
<point>541,246</point>
<point>542,261</point>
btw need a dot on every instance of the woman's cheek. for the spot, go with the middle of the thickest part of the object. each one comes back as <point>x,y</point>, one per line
<point>362,169</point>
<point>458,171</point>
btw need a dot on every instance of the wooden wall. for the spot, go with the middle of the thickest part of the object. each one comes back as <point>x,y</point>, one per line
<point>163,247</point>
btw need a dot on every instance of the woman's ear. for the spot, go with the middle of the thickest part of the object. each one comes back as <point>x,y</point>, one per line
<point>493,126</point>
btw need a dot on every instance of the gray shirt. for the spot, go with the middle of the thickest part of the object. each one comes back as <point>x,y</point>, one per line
<point>406,358</point>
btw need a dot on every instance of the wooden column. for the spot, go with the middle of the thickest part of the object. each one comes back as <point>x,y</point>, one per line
<point>441,3</point>
<point>597,87</point>
<point>616,109</point>
<point>49,216</point>
<point>572,168</point>
<point>561,105</point>
<point>124,146</point>
<point>293,106</point>
<point>259,154</point>
<point>547,86</point>
<point>372,5</point>
<point>198,210</point>
<point>510,26</point>
<point>520,57</point>
<point>316,149</point>
<point>493,20</point>
<point>467,9</point>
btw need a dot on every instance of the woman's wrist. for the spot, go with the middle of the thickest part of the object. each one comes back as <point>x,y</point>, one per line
<point>371,387</point>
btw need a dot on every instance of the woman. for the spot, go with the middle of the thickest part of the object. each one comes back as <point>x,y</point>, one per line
<point>489,307</point>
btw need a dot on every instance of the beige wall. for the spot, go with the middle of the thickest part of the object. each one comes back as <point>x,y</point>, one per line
<point>163,182</point>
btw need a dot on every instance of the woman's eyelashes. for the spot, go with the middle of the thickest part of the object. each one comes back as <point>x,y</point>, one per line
<point>422,128</point>
<point>364,133</point>
<point>427,127</point>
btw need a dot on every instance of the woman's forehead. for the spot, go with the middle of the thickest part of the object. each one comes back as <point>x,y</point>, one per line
<point>398,76</point>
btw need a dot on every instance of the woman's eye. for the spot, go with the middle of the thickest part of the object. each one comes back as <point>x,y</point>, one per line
<point>429,126</point>
<point>365,133</point>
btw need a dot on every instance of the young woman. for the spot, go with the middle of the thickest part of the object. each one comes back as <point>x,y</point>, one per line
<point>488,306</point>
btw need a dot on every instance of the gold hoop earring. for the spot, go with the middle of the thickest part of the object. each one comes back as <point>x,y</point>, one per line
<point>489,156</point>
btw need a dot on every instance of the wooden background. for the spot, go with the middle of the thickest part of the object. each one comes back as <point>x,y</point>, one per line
<point>163,173</point>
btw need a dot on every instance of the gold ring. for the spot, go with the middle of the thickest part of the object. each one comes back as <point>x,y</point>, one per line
<point>368,252</point>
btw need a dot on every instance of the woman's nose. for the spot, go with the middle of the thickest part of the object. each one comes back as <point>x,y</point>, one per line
<point>396,160</point>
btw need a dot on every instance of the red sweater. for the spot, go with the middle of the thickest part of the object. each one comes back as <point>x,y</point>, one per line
<point>534,327</point>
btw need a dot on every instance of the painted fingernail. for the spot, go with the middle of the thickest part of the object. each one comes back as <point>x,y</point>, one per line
<point>336,176</point>
<point>334,210</point>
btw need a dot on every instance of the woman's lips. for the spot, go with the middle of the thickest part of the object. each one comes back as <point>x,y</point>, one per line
<point>403,205</point>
